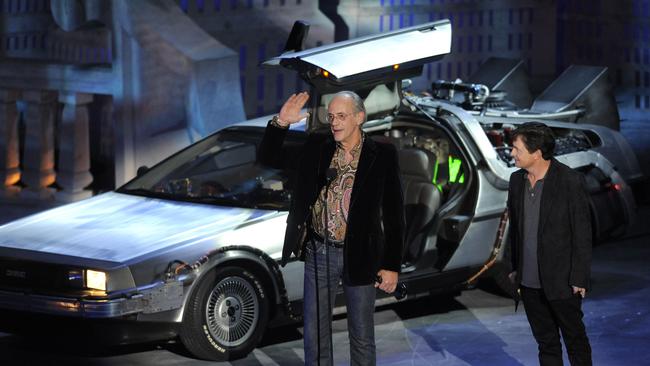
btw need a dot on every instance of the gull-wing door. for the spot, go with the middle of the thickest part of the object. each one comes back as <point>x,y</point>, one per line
<point>368,61</point>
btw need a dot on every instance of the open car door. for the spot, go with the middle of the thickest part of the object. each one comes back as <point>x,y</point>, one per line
<point>369,60</point>
<point>371,66</point>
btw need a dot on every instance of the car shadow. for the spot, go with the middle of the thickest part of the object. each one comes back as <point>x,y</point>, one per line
<point>281,345</point>
<point>33,350</point>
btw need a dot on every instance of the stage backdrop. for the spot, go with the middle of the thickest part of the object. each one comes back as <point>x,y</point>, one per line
<point>90,90</point>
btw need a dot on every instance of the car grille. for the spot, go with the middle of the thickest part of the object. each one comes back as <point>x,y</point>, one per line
<point>36,277</point>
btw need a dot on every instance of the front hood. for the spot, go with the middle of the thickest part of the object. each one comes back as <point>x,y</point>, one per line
<point>118,227</point>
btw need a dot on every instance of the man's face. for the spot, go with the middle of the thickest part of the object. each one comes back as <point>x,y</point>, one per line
<point>346,121</point>
<point>523,159</point>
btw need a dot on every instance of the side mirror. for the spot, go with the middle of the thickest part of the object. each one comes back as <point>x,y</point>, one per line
<point>142,170</point>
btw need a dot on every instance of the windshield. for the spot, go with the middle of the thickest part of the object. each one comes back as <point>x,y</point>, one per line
<point>222,169</point>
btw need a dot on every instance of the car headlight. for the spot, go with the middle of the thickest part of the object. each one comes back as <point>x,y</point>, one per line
<point>95,280</point>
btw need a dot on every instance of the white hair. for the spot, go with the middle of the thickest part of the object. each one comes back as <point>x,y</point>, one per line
<point>356,101</point>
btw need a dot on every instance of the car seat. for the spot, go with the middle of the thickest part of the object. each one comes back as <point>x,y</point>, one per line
<point>421,197</point>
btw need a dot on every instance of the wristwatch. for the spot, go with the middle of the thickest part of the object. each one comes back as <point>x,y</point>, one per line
<point>275,121</point>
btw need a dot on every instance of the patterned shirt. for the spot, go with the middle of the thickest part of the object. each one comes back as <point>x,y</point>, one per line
<point>338,195</point>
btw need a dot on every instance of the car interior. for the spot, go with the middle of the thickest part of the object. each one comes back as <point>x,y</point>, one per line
<point>431,171</point>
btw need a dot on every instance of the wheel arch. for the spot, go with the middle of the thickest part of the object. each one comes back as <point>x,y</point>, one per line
<point>261,264</point>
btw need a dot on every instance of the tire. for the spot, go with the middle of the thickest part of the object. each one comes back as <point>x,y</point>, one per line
<point>226,315</point>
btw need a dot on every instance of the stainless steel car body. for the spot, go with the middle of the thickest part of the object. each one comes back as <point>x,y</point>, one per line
<point>613,155</point>
<point>133,239</point>
<point>493,179</point>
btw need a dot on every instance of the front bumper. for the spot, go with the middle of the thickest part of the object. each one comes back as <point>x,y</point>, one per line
<point>159,297</point>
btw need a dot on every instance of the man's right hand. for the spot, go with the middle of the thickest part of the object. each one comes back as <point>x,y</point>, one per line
<point>290,111</point>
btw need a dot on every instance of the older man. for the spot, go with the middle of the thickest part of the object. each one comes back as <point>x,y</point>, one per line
<point>348,201</point>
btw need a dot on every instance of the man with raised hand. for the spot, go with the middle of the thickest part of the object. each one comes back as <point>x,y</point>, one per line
<point>346,221</point>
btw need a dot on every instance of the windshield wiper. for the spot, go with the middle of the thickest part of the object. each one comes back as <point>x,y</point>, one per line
<point>231,201</point>
<point>145,192</point>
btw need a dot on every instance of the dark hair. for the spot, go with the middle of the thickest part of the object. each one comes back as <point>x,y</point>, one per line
<point>536,136</point>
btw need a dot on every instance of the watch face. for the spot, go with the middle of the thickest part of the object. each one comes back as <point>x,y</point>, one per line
<point>276,122</point>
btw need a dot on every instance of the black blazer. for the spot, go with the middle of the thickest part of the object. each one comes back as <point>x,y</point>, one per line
<point>564,233</point>
<point>375,231</point>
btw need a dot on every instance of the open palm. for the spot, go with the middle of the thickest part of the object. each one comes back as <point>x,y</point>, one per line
<point>290,112</point>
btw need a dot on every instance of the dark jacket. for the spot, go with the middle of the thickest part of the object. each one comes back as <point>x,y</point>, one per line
<point>564,233</point>
<point>375,230</point>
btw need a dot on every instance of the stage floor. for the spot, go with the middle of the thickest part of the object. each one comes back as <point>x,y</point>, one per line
<point>474,328</point>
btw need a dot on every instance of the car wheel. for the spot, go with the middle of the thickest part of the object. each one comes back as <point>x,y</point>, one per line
<point>226,315</point>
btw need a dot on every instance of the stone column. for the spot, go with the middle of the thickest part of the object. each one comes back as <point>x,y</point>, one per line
<point>74,150</point>
<point>38,162</point>
<point>9,153</point>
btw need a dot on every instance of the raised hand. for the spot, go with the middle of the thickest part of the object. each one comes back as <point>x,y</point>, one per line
<point>290,112</point>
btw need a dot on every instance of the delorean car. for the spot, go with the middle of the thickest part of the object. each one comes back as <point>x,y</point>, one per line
<point>190,248</point>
